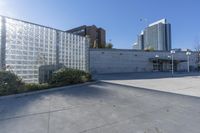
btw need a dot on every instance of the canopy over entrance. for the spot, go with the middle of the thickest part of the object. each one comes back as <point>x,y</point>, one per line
<point>166,60</point>
<point>165,64</point>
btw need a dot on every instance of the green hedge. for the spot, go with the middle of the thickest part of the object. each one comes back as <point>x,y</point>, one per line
<point>33,87</point>
<point>12,84</point>
<point>9,83</point>
<point>66,76</point>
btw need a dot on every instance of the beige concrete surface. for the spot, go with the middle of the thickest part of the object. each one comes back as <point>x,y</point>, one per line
<point>181,83</point>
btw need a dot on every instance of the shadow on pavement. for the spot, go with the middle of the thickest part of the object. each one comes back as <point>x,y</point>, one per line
<point>41,103</point>
<point>16,107</point>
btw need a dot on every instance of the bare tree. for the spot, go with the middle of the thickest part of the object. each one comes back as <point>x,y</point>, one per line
<point>109,45</point>
<point>197,49</point>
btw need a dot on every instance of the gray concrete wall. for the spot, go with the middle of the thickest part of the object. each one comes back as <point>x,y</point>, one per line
<point>119,61</point>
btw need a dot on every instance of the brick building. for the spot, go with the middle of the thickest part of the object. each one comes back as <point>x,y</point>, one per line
<point>97,35</point>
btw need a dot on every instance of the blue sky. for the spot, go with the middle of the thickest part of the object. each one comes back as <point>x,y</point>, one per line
<point>120,18</point>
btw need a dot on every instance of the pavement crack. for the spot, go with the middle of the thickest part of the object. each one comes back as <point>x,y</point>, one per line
<point>123,121</point>
<point>49,113</point>
<point>104,125</point>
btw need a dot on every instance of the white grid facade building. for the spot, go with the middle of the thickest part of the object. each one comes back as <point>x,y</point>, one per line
<point>28,46</point>
<point>0,41</point>
<point>73,53</point>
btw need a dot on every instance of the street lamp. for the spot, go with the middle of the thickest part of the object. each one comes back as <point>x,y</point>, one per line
<point>157,56</point>
<point>199,62</point>
<point>172,53</point>
<point>188,53</point>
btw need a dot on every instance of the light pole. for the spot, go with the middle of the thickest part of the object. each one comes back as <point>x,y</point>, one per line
<point>198,64</point>
<point>188,53</point>
<point>157,56</point>
<point>172,53</point>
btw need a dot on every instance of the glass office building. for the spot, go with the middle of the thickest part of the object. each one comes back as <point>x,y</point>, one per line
<point>29,46</point>
<point>157,36</point>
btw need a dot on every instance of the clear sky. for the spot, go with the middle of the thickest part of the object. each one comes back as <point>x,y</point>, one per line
<point>120,18</point>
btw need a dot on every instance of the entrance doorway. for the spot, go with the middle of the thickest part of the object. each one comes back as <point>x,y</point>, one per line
<point>164,66</point>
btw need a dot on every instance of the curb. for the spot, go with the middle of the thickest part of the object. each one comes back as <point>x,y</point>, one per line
<point>47,90</point>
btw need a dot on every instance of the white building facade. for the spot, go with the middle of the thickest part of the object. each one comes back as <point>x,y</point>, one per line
<point>25,47</point>
<point>157,36</point>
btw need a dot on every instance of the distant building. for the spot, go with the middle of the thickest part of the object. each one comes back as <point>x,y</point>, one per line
<point>182,49</point>
<point>157,36</point>
<point>177,49</point>
<point>136,46</point>
<point>97,35</point>
<point>141,41</point>
<point>185,49</point>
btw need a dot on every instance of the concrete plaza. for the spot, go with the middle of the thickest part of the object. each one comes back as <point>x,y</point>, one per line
<point>103,107</point>
<point>180,83</point>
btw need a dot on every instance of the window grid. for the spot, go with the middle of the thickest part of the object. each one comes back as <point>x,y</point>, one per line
<point>30,46</point>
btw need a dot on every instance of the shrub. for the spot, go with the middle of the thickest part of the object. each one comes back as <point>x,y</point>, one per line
<point>66,76</point>
<point>12,84</point>
<point>33,87</point>
<point>9,83</point>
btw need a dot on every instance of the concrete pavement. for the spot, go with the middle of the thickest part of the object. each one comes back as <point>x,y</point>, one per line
<point>181,83</point>
<point>100,108</point>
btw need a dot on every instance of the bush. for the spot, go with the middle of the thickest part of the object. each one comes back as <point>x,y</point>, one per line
<point>12,84</point>
<point>66,76</point>
<point>9,83</point>
<point>34,87</point>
